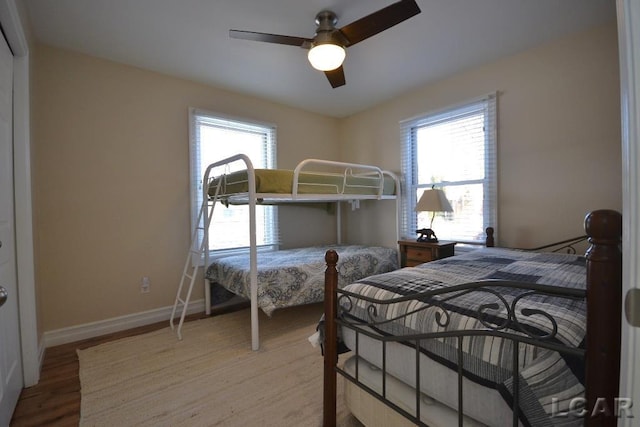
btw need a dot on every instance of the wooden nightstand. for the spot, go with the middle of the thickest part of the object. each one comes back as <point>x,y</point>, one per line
<point>413,253</point>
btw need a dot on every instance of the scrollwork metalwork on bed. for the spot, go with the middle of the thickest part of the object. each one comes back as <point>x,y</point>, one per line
<point>483,291</point>
<point>513,322</point>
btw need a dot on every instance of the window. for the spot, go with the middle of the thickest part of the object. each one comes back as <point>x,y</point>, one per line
<point>453,150</point>
<point>215,138</point>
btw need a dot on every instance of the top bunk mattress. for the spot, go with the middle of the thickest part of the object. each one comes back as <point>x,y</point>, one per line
<point>281,181</point>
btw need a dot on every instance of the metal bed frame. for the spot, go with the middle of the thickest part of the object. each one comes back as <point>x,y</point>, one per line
<point>199,246</point>
<point>602,353</point>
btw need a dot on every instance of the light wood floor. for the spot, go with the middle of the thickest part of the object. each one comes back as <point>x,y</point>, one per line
<point>55,400</point>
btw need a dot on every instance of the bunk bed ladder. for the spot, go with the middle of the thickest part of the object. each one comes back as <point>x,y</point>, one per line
<point>190,271</point>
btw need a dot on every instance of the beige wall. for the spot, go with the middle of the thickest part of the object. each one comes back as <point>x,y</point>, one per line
<point>558,137</point>
<point>111,181</point>
<point>111,178</point>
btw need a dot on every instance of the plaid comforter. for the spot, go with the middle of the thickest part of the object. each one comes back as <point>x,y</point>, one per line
<point>547,380</point>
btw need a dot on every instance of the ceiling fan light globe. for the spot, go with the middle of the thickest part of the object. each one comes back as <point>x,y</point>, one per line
<point>326,57</point>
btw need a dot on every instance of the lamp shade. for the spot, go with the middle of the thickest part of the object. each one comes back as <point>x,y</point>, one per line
<point>326,56</point>
<point>434,200</point>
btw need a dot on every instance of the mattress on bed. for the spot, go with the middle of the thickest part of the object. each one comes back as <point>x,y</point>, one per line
<point>280,181</point>
<point>373,413</point>
<point>296,276</point>
<point>438,385</point>
<point>544,374</point>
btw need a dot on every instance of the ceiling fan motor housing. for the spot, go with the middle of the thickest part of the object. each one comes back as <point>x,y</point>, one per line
<point>327,48</point>
<point>326,32</point>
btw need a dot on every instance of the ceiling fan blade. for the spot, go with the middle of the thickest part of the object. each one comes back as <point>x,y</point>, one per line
<point>336,77</point>
<point>379,21</point>
<point>270,38</point>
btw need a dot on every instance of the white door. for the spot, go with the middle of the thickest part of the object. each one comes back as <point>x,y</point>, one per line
<point>10,356</point>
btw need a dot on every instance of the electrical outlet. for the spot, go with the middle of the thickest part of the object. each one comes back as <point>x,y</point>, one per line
<point>145,285</point>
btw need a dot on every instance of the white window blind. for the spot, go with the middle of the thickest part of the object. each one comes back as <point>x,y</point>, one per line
<point>453,150</point>
<point>215,137</point>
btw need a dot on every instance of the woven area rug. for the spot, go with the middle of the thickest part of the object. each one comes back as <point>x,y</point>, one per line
<point>211,377</point>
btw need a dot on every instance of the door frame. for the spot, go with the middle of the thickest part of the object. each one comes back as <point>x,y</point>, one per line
<point>629,48</point>
<point>32,352</point>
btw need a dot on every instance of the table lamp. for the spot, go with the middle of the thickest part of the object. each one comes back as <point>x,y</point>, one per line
<point>432,200</point>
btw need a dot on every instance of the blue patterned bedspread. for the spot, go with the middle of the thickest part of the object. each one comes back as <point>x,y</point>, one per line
<point>296,276</point>
<point>544,374</point>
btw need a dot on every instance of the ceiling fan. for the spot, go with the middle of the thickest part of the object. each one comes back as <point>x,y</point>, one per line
<point>327,48</point>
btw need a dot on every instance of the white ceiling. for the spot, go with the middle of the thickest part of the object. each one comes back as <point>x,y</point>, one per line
<point>189,39</point>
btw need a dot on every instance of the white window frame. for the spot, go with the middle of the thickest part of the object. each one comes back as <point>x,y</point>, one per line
<point>411,186</point>
<point>199,117</point>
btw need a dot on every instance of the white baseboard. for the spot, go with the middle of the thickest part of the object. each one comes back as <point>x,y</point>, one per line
<point>116,324</point>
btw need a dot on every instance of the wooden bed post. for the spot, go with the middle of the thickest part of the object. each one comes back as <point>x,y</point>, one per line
<point>604,314</point>
<point>330,339</point>
<point>489,239</point>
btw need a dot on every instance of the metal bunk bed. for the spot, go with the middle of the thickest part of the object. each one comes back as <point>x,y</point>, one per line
<point>312,181</point>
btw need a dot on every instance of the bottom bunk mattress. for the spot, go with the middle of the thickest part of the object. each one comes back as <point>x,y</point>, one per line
<point>296,276</point>
<point>544,376</point>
